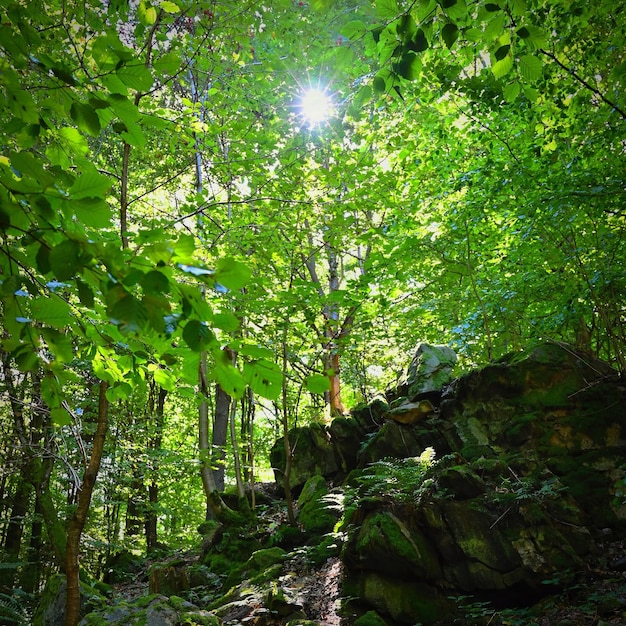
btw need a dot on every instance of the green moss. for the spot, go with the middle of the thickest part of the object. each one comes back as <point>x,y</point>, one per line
<point>262,559</point>
<point>384,540</point>
<point>270,573</point>
<point>371,618</point>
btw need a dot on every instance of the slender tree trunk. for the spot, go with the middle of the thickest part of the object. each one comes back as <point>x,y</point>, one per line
<point>79,518</point>
<point>285,423</point>
<point>215,506</point>
<point>220,430</point>
<point>151,523</point>
<point>37,468</point>
<point>247,432</point>
<point>31,574</point>
<point>13,538</point>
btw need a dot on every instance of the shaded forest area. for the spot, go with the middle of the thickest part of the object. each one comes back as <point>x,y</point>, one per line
<point>193,261</point>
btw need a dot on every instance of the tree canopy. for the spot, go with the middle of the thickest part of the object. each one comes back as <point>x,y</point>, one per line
<point>170,220</point>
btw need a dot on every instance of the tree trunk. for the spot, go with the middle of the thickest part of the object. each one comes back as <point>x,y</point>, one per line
<point>37,466</point>
<point>285,423</point>
<point>78,519</point>
<point>215,506</point>
<point>153,485</point>
<point>218,440</point>
<point>14,533</point>
<point>31,574</point>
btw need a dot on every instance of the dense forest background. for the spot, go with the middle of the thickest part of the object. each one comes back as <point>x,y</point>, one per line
<point>191,261</point>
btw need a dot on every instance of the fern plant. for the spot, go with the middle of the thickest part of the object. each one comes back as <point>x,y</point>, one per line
<point>12,611</point>
<point>400,480</point>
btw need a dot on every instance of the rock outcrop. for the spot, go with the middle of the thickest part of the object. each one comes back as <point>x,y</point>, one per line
<point>502,491</point>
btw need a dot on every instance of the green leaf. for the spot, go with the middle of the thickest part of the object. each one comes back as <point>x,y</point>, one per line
<point>169,7</point>
<point>155,282</point>
<point>198,336</point>
<point>59,344</point>
<point>511,91</point>
<point>449,34</point>
<point>264,378</point>
<point>147,14</point>
<point>530,67</point>
<point>226,321</point>
<point>256,352</point>
<point>419,43</point>
<point>533,36</point>
<point>90,183</point>
<point>409,67</point>
<point>165,379</point>
<point>387,9</point>
<point>231,273</point>
<point>51,392</point>
<point>92,212</point>
<point>85,118</point>
<point>317,383</point>
<point>51,310</point>
<point>354,30</point>
<point>60,417</point>
<point>85,294</point>
<point>502,66</point>
<point>22,105</point>
<point>64,259</point>
<point>502,51</point>
<point>125,311</point>
<point>230,380</point>
<point>455,9</point>
<point>136,76</point>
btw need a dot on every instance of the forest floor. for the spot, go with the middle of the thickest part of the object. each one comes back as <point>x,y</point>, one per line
<point>594,596</point>
<point>597,597</point>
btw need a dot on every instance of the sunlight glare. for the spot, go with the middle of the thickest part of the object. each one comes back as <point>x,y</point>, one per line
<point>315,106</point>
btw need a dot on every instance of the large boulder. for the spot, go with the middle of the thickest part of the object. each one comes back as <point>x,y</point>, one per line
<point>524,476</point>
<point>312,454</point>
<point>430,370</point>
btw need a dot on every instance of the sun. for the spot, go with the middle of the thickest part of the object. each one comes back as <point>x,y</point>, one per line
<point>315,106</point>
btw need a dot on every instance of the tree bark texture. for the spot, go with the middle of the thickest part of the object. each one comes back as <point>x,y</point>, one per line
<point>78,519</point>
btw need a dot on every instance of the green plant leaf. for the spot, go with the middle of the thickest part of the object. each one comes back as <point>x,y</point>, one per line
<point>511,91</point>
<point>90,183</point>
<point>530,67</point>
<point>226,321</point>
<point>449,34</point>
<point>354,30</point>
<point>386,9</point>
<point>198,336</point>
<point>231,273</point>
<point>317,383</point>
<point>60,417</point>
<point>85,118</point>
<point>264,378</point>
<point>230,380</point>
<point>64,259</point>
<point>51,310</point>
<point>502,66</point>
<point>155,282</point>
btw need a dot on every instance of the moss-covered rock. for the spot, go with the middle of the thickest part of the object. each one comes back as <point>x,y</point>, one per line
<point>403,600</point>
<point>316,456</point>
<point>152,610</point>
<point>316,515</point>
<point>370,618</point>
<point>51,608</point>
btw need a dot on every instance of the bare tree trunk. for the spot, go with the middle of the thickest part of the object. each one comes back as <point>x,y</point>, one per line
<point>13,537</point>
<point>155,441</point>
<point>31,574</point>
<point>37,467</point>
<point>218,440</point>
<point>285,423</point>
<point>78,519</point>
